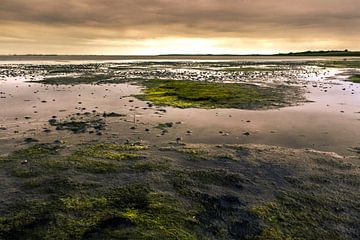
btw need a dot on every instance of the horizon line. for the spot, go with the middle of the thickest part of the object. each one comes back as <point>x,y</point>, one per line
<point>309,52</point>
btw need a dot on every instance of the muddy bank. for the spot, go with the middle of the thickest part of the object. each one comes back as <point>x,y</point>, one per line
<point>124,190</point>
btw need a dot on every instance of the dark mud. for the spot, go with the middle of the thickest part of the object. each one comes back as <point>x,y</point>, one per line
<point>80,123</point>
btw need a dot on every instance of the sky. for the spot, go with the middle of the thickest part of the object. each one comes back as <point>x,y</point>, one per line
<point>150,27</point>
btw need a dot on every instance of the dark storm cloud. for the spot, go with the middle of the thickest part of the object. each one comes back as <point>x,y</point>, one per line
<point>60,24</point>
<point>190,16</point>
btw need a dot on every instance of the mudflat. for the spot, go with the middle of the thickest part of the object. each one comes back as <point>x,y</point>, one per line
<point>180,149</point>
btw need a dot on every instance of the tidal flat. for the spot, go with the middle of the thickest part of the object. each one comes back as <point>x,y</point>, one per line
<point>190,149</point>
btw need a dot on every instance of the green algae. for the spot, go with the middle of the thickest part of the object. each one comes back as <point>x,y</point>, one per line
<point>84,79</point>
<point>252,69</point>
<point>148,215</point>
<point>191,94</point>
<point>164,218</point>
<point>133,211</point>
<point>300,216</point>
<point>100,158</point>
<point>218,177</point>
<point>112,151</point>
<point>191,151</point>
<point>220,216</point>
<point>24,219</point>
<point>355,78</point>
<point>117,147</point>
<point>356,150</point>
<point>76,203</point>
<point>25,163</point>
<point>164,196</point>
<point>69,80</point>
<point>338,164</point>
<point>34,152</point>
<point>340,64</point>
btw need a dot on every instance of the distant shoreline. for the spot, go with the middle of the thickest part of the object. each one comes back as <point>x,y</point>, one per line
<point>307,53</point>
<point>296,55</point>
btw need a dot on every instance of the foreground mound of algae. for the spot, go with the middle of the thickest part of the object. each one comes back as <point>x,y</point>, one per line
<point>132,191</point>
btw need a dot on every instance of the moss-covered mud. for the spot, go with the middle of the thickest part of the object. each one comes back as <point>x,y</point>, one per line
<point>132,191</point>
<point>198,94</point>
<point>340,64</point>
<point>253,69</point>
<point>192,94</point>
<point>84,79</point>
<point>355,78</point>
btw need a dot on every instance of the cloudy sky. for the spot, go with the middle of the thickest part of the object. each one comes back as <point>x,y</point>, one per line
<point>177,26</point>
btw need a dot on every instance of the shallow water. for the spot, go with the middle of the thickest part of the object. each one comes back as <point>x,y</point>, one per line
<point>328,123</point>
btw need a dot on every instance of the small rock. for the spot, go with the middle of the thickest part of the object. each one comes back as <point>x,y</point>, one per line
<point>59,142</point>
<point>30,140</point>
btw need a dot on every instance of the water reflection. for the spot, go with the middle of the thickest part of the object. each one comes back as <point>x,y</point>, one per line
<point>327,123</point>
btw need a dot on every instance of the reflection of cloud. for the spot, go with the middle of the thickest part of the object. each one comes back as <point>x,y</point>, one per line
<point>78,22</point>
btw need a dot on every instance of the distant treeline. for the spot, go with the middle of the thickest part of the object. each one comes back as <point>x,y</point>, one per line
<point>334,53</point>
<point>307,53</point>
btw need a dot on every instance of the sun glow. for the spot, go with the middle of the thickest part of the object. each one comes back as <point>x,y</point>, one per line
<point>182,46</point>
